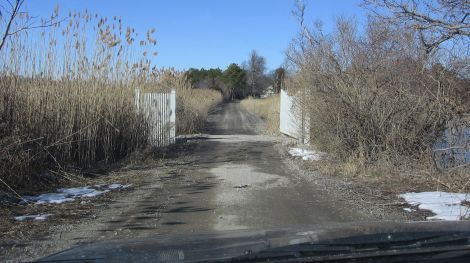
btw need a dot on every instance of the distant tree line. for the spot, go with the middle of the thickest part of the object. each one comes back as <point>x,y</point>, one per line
<point>238,82</point>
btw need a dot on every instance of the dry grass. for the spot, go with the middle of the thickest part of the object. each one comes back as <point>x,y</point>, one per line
<point>67,98</point>
<point>391,180</point>
<point>267,109</point>
<point>54,124</point>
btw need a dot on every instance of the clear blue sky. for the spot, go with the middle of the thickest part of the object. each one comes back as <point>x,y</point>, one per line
<point>211,33</point>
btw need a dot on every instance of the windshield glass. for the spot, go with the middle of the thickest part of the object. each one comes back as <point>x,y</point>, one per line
<point>126,120</point>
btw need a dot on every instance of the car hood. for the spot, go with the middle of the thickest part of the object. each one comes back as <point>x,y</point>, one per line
<point>188,247</point>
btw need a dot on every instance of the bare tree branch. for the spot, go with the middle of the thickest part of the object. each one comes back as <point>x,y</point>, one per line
<point>436,21</point>
<point>14,12</point>
<point>15,8</point>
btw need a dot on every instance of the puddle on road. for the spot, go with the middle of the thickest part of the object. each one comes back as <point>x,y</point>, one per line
<point>231,197</point>
<point>233,176</point>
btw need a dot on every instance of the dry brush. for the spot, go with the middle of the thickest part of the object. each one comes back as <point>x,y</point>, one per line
<point>67,98</point>
<point>374,95</point>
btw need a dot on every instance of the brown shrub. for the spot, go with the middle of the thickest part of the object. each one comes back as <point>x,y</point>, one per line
<point>372,95</point>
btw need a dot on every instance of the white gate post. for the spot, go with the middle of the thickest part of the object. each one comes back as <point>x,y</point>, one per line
<point>173,116</point>
<point>293,120</point>
<point>159,110</point>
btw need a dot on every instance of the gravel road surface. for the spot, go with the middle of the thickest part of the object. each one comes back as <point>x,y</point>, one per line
<point>232,178</point>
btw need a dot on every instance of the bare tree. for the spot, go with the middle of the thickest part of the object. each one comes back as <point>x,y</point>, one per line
<point>10,11</point>
<point>279,76</point>
<point>436,21</point>
<point>255,68</point>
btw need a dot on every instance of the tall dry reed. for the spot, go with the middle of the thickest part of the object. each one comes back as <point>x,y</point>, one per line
<point>66,97</point>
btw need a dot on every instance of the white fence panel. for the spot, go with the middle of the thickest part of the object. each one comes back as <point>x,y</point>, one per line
<point>160,111</point>
<point>293,121</point>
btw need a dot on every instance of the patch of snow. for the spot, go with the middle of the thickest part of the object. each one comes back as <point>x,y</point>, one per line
<point>118,186</point>
<point>64,195</point>
<point>446,206</point>
<point>84,191</point>
<point>306,155</point>
<point>49,198</point>
<point>408,209</point>
<point>33,217</point>
<point>70,194</point>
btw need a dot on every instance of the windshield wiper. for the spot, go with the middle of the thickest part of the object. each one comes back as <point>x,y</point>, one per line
<point>401,246</point>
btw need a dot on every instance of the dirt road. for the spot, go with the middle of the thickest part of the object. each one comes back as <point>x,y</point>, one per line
<point>233,178</point>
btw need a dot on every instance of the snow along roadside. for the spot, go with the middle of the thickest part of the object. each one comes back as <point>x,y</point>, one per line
<point>69,194</point>
<point>445,206</point>
<point>307,155</point>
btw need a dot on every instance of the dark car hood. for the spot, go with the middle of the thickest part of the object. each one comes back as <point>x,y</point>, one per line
<point>188,247</point>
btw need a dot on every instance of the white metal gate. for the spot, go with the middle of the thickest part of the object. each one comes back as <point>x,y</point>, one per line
<point>293,121</point>
<point>160,111</point>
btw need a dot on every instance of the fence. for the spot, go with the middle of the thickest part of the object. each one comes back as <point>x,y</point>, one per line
<point>160,111</point>
<point>293,121</point>
<point>452,150</point>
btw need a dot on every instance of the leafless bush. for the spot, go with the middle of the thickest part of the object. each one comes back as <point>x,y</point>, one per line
<point>374,94</point>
